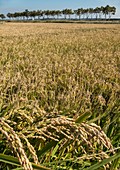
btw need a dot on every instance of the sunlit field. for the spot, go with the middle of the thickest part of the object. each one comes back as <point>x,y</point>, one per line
<point>59,96</point>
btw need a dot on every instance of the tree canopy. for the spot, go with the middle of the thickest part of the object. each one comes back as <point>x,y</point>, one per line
<point>80,13</point>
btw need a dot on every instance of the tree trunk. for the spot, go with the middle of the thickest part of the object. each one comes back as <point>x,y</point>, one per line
<point>105,16</point>
<point>91,16</point>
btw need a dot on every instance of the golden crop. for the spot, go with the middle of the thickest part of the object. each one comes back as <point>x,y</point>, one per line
<point>57,71</point>
<point>58,66</point>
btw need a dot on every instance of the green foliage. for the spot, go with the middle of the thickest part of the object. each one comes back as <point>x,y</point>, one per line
<point>104,162</point>
<point>14,161</point>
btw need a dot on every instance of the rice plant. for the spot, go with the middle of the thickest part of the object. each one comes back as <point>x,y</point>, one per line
<point>60,104</point>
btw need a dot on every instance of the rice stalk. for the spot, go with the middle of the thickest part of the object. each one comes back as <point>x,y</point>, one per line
<point>15,144</point>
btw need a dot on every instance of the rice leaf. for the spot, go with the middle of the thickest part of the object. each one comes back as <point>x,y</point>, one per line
<point>14,161</point>
<point>83,117</point>
<point>47,148</point>
<point>104,162</point>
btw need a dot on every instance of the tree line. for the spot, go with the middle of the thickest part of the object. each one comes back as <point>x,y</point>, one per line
<point>80,13</point>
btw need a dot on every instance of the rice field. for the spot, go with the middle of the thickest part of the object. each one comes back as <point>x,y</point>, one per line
<point>59,96</point>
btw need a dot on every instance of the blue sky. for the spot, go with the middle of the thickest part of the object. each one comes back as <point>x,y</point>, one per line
<point>20,5</point>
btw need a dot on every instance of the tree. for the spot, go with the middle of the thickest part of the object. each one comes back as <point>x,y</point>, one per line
<point>64,12</point>
<point>97,11</point>
<point>91,11</point>
<point>101,11</point>
<point>69,13</point>
<point>78,12</point>
<point>39,13</point>
<point>58,13</point>
<point>111,11</point>
<point>108,10</point>
<point>9,15</point>
<point>83,13</point>
<point>47,13</point>
<point>53,13</point>
<point>33,14</point>
<point>86,11</point>
<point>2,16</point>
<point>16,15</point>
<point>26,13</point>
